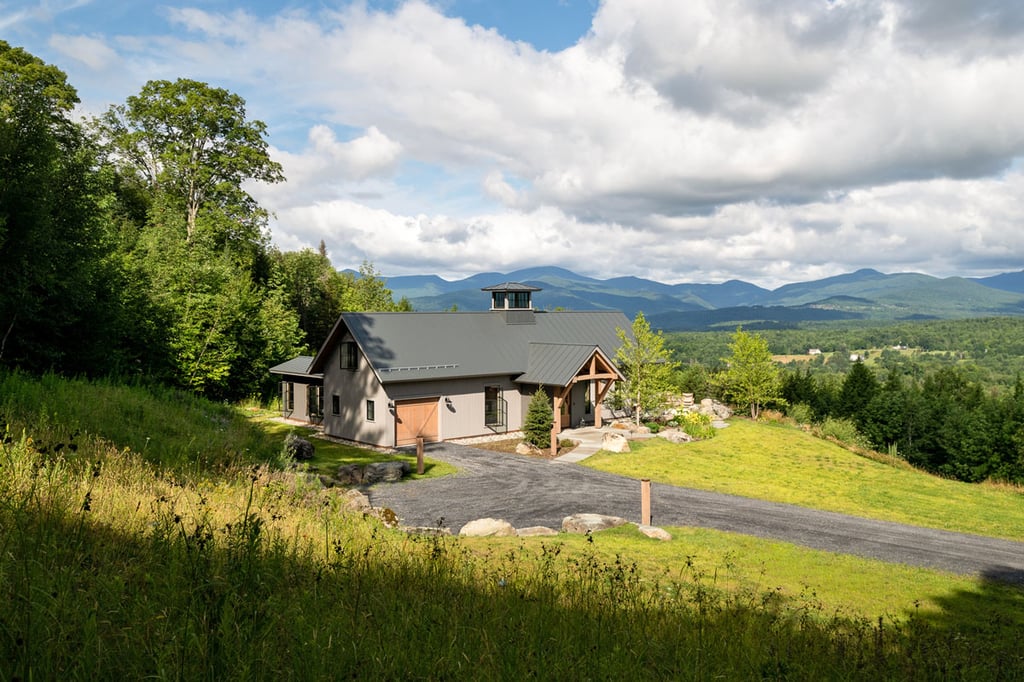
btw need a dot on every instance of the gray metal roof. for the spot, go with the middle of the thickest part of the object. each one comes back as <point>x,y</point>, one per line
<point>511,286</point>
<point>430,346</point>
<point>555,364</point>
<point>297,366</point>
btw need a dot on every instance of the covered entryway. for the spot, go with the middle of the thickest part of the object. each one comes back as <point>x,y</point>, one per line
<point>416,419</point>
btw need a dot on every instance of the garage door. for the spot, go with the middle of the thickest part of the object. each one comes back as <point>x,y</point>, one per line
<point>415,419</point>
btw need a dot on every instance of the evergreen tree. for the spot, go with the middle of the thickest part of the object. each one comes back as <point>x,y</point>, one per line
<point>540,419</point>
<point>859,387</point>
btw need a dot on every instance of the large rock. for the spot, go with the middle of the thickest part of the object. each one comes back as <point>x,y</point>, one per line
<point>533,531</point>
<point>590,523</point>
<point>384,472</point>
<point>349,474</point>
<point>654,532</point>
<point>675,436</point>
<point>487,528</point>
<point>355,500</point>
<point>614,442</point>
<point>298,448</point>
<point>525,448</point>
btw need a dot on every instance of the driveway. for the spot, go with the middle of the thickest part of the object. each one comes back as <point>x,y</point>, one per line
<point>533,492</point>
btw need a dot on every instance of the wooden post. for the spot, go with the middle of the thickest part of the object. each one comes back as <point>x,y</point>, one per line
<point>419,455</point>
<point>645,501</point>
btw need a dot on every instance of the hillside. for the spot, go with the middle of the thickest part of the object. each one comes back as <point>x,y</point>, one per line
<point>864,294</point>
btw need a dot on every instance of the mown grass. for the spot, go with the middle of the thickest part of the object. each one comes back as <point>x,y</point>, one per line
<point>114,564</point>
<point>781,463</point>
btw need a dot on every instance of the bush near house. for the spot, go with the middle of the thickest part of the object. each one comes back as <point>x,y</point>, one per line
<point>539,420</point>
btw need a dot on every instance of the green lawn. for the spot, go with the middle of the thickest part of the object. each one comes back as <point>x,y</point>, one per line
<point>330,455</point>
<point>782,463</point>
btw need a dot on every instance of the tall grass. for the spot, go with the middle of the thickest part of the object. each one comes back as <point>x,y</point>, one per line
<point>172,428</point>
<point>108,571</point>
<point>115,565</point>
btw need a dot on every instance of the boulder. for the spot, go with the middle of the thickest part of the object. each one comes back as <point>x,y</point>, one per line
<point>525,448</point>
<point>487,528</point>
<point>614,442</point>
<point>589,523</point>
<point>349,474</point>
<point>298,448</point>
<point>355,500</point>
<point>533,531</point>
<point>384,472</point>
<point>654,532</point>
<point>675,436</point>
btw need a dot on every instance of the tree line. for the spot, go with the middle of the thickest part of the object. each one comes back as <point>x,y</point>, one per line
<point>130,247</point>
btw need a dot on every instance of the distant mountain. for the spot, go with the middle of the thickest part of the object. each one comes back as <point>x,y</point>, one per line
<point>1008,281</point>
<point>864,294</point>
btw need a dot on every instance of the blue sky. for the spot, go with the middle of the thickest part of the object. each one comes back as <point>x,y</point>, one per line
<point>682,141</point>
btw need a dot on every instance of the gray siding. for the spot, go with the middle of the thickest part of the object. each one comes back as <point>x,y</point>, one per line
<point>353,389</point>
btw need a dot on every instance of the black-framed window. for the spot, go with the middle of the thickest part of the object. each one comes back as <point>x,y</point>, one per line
<point>495,410</point>
<point>371,411</point>
<point>335,404</point>
<point>519,299</point>
<point>289,396</point>
<point>349,355</point>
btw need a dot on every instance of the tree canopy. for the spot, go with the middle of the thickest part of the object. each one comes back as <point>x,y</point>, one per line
<point>647,366</point>
<point>752,378</point>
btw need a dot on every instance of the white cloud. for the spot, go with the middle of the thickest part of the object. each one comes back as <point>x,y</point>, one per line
<point>93,52</point>
<point>705,139</point>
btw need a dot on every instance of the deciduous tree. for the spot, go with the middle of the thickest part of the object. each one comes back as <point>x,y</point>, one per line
<point>752,379</point>
<point>647,366</point>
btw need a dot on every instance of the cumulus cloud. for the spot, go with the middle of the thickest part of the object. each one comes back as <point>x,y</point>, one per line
<point>707,139</point>
<point>93,52</point>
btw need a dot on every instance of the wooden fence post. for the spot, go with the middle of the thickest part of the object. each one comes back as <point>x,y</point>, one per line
<point>645,501</point>
<point>419,456</point>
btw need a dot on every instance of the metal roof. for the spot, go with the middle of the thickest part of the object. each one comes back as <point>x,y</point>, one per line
<point>511,286</point>
<point>297,366</point>
<point>446,345</point>
<point>555,364</point>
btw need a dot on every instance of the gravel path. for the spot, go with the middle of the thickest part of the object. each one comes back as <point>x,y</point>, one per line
<point>533,492</point>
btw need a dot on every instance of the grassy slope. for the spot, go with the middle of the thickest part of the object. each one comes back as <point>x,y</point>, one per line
<point>784,464</point>
<point>112,568</point>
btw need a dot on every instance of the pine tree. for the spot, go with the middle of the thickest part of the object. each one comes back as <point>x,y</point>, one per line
<point>539,420</point>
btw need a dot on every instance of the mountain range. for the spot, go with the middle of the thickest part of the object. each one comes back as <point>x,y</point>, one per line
<point>862,295</point>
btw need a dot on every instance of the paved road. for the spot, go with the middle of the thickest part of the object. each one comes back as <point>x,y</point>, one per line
<point>533,492</point>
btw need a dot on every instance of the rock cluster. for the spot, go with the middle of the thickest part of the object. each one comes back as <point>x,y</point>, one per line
<point>374,472</point>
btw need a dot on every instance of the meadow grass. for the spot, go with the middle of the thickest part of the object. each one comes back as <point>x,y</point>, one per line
<point>116,564</point>
<point>782,463</point>
<point>109,570</point>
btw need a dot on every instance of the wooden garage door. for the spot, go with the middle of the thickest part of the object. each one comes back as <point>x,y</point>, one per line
<point>415,419</point>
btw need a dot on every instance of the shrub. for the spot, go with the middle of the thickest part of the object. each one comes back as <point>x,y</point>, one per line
<point>653,426</point>
<point>801,413</point>
<point>843,430</point>
<point>697,425</point>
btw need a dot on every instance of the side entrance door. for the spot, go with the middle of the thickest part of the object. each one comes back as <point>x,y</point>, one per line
<point>416,419</point>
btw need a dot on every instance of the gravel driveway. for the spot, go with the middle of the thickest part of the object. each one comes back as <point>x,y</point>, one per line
<point>533,492</point>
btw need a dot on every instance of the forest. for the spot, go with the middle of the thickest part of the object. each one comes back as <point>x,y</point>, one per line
<point>130,247</point>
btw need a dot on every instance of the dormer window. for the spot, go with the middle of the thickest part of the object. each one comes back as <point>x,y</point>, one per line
<point>511,296</point>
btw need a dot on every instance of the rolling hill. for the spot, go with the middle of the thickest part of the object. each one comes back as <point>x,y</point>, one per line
<point>864,294</point>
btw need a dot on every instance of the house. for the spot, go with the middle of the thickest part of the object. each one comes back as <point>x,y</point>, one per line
<point>387,379</point>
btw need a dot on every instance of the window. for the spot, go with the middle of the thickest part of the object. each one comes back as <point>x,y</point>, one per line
<point>335,404</point>
<point>519,299</point>
<point>349,355</point>
<point>494,406</point>
<point>371,411</point>
<point>315,400</point>
<point>289,396</point>
<point>497,300</point>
